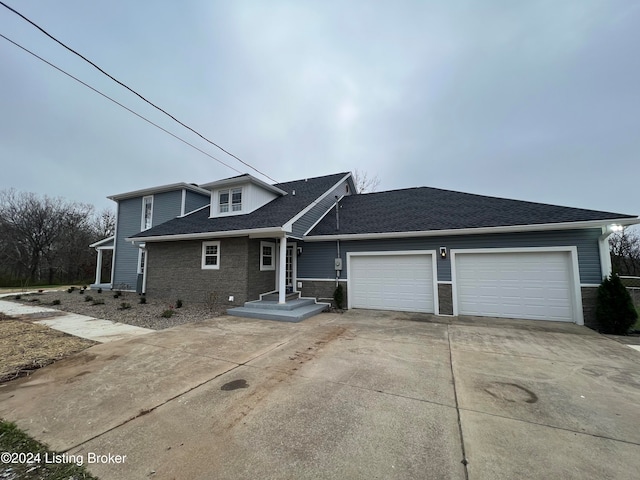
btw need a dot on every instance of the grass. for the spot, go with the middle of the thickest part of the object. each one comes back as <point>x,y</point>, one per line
<point>15,441</point>
<point>26,346</point>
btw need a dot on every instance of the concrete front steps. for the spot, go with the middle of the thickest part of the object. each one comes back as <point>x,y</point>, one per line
<point>294,309</point>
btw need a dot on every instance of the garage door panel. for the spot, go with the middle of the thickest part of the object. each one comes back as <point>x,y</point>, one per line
<point>392,282</point>
<point>535,285</point>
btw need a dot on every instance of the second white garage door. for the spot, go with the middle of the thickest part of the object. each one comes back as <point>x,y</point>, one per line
<point>391,282</point>
<point>530,285</point>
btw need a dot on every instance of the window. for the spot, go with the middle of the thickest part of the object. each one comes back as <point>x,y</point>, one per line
<point>211,255</point>
<point>267,256</point>
<point>147,212</point>
<point>234,196</point>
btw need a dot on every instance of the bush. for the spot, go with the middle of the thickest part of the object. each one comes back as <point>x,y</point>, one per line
<point>167,313</point>
<point>70,289</point>
<point>81,292</point>
<point>18,297</point>
<point>338,296</point>
<point>143,300</point>
<point>99,290</point>
<point>614,309</point>
<point>98,301</point>
<point>125,306</point>
<point>55,302</point>
<point>88,298</point>
<point>115,295</point>
<point>178,303</point>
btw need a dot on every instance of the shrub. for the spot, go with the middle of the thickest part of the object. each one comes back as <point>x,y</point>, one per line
<point>178,303</point>
<point>69,290</point>
<point>40,291</point>
<point>81,292</point>
<point>125,306</point>
<point>88,298</point>
<point>119,292</point>
<point>98,301</point>
<point>614,309</point>
<point>338,296</point>
<point>167,313</point>
<point>55,302</point>
<point>143,300</point>
<point>115,295</point>
<point>18,297</point>
<point>99,290</point>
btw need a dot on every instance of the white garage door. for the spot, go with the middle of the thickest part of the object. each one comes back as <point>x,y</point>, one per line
<point>533,285</point>
<point>391,282</point>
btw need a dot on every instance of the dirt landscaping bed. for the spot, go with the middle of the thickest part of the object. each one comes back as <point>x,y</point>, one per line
<point>124,309</point>
<point>26,346</point>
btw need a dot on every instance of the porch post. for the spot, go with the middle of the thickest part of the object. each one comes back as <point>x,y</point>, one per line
<point>99,267</point>
<point>282,271</point>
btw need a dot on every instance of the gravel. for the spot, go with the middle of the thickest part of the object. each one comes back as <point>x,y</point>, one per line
<point>148,315</point>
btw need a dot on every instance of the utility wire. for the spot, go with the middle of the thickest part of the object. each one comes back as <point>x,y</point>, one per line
<point>132,90</point>
<point>119,104</point>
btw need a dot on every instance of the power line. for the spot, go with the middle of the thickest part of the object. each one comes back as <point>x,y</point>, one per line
<point>119,104</point>
<point>132,90</point>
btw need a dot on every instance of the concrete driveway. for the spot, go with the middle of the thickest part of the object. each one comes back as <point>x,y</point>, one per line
<point>359,395</point>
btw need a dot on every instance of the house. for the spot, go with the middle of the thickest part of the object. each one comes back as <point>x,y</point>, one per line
<point>423,249</point>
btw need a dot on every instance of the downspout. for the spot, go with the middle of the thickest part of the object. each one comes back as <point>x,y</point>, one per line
<point>144,272</point>
<point>338,271</point>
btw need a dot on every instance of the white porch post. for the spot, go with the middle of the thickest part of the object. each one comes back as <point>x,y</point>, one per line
<point>282,271</point>
<point>99,267</point>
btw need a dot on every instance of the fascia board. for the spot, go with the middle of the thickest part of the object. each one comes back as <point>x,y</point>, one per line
<point>253,232</point>
<point>476,231</point>
<point>289,225</point>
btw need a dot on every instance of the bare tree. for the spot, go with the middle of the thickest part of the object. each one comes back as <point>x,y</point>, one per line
<point>364,183</point>
<point>104,223</point>
<point>47,239</point>
<point>625,253</point>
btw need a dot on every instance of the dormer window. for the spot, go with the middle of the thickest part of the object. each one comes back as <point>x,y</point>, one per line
<point>230,200</point>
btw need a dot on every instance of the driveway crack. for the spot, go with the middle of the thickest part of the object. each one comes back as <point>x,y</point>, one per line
<point>455,395</point>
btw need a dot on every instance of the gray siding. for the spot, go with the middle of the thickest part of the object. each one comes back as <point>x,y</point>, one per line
<point>165,207</point>
<point>194,201</point>
<point>304,223</point>
<point>317,259</point>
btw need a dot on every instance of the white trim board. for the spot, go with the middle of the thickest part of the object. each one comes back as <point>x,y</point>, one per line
<point>289,225</point>
<point>477,231</point>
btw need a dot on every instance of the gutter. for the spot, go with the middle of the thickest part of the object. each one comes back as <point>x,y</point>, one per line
<point>252,233</point>
<point>476,231</point>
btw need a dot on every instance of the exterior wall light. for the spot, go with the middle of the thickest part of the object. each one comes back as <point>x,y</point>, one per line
<point>299,251</point>
<point>616,228</point>
<point>443,252</point>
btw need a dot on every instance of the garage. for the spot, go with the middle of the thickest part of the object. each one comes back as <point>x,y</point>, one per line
<point>537,285</point>
<point>392,281</point>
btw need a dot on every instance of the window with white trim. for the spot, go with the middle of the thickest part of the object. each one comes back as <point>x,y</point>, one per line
<point>147,212</point>
<point>211,255</point>
<point>267,256</point>
<point>230,200</point>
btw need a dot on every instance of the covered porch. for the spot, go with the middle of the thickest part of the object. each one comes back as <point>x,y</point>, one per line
<point>104,246</point>
<point>284,303</point>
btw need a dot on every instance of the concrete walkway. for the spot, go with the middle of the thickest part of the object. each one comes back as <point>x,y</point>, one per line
<point>82,326</point>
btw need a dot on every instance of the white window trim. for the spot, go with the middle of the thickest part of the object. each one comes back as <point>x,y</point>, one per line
<point>231,211</point>
<point>272,267</point>
<point>204,255</point>
<point>143,227</point>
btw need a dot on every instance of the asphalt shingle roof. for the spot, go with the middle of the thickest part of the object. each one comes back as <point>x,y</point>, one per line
<point>274,214</point>
<point>425,209</point>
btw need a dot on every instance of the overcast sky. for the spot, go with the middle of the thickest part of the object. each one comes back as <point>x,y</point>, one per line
<point>534,100</point>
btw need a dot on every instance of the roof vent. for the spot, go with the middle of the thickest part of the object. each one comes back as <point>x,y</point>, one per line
<point>293,193</point>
